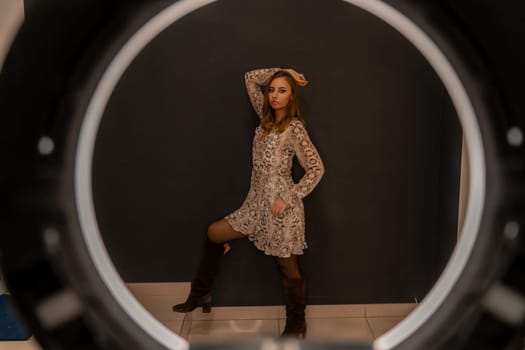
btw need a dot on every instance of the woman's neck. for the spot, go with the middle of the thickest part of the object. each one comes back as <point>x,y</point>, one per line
<point>280,114</point>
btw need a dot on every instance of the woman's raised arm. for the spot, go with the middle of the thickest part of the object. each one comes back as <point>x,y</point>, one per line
<point>255,80</point>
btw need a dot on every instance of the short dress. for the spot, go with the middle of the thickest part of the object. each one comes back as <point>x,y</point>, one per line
<point>272,155</point>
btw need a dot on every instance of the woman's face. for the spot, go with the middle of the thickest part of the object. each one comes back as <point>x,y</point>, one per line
<point>279,93</point>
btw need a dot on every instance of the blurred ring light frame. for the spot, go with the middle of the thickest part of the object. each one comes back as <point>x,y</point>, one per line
<point>398,21</point>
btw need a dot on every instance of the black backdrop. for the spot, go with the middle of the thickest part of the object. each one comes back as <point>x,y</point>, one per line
<point>173,153</point>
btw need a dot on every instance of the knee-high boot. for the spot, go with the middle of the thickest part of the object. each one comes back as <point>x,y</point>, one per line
<point>295,305</point>
<point>200,294</point>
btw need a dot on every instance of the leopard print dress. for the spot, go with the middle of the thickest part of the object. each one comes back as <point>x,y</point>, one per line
<point>272,154</point>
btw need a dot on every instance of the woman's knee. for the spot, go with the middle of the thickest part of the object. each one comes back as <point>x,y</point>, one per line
<point>218,232</point>
<point>212,232</point>
<point>221,231</point>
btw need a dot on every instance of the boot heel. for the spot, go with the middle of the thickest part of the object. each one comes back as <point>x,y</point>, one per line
<point>206,308</point>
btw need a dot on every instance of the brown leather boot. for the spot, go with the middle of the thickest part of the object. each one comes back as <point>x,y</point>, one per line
<point>295,305</point>
<point>200,294</point>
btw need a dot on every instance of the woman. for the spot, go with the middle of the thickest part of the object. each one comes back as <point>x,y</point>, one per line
<point>272,215</point>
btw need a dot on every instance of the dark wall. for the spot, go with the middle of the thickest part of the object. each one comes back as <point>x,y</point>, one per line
<point>173,153</point>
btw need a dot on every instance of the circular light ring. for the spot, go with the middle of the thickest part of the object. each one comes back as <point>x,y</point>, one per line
<point>476,191</point>
<point>83,166</point>
<point>136,43</point>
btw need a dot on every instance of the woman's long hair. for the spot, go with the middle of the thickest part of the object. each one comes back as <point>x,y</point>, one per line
<point>268,121</point>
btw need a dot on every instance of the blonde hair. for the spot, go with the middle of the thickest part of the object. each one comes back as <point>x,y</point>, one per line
<point>268,121</point>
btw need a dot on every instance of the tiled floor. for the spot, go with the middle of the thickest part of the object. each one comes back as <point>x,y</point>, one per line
<point>360,323</point>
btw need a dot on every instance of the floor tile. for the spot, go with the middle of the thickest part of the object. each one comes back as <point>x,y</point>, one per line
<point>389,310</point>
<point>186,327</point>
<point>358,323</point>
<point>337,329</point>
<point>330,311</point>
<point>174,326</point>
<point>381,325</point>
<point>228,330</point>
<point>175,289</point>
<point>160,306</point>
<point>238,313</point>
<point>333,322</point>
<point>30,344</point>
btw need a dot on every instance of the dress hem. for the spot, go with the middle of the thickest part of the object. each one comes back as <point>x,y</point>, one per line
<point>237,228</point>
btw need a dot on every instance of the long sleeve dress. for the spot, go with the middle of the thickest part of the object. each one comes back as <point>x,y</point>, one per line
<point>272,155</point>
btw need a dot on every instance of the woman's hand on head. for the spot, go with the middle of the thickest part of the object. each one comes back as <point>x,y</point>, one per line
<point>278,207</point>
<point>299,78</point>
